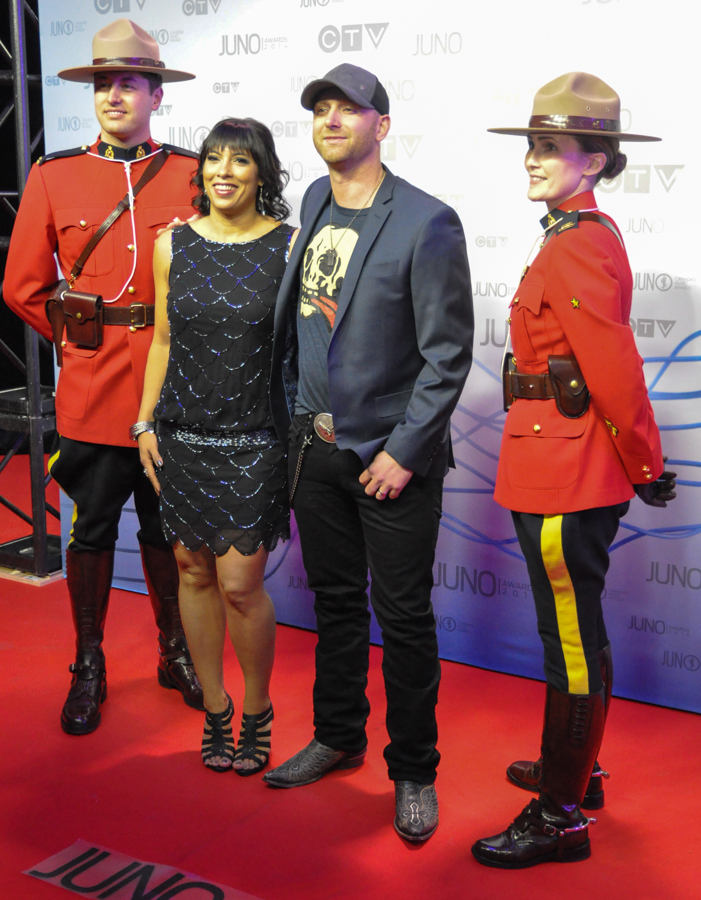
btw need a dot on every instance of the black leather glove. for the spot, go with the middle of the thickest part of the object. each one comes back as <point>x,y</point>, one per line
<point>660,492</point>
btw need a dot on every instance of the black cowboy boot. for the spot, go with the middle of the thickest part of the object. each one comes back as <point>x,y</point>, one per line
<point>89,579</point>
<point>525,773</point>
<point>552,828</point>
<point>175,668</point>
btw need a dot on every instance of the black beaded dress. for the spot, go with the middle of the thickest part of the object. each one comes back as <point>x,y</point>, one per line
<point>224,476</point>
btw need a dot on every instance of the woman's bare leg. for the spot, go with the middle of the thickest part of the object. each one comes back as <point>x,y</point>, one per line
<point>251,619</point>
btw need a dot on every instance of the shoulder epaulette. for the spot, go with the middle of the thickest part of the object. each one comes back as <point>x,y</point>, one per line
<point>63,154</point>
<point>180,151</point>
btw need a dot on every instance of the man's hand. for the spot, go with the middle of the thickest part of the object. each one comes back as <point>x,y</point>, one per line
<point>174,224</point>
<point>660,492</point>
<point>150,458</point>
<point>384,477</point>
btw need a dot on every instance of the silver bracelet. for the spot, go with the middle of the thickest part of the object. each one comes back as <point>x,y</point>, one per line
<point>140,427</point>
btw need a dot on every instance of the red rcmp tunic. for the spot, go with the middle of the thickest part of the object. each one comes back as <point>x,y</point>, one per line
<point>576,299</point>
<point>64,203</point>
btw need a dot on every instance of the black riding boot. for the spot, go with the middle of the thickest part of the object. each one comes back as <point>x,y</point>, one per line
<point>89,579</point>
<point>552,828</point>
<point>175,668</point>
<point>525,773</point>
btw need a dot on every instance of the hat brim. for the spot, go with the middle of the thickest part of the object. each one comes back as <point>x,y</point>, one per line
<point>85,74</point>
<point>620,135</point>
<point>311,91</point>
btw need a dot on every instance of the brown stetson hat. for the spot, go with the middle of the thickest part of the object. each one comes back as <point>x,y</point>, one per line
<point>122,46</point>
<point>576,103</point>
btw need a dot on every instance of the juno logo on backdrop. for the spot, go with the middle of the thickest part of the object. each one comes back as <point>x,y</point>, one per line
<point>350,37</point>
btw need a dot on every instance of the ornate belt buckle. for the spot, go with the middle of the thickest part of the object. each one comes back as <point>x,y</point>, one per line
<point>323,425</point>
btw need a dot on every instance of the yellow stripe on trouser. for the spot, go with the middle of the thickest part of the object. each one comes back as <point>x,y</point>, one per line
<point>52,460</point>
<point>73,518</point>
<point>565,605</point>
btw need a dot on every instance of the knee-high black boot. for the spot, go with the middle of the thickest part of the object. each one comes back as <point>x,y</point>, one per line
<point>89,579</point>
<point>175,668</point>
<point>552,828</point>
<point>525,773</point>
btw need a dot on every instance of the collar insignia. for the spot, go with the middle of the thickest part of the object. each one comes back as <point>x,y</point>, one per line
<point>125,154</point>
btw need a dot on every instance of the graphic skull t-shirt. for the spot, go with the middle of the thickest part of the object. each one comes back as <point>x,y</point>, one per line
<point>323,271</point>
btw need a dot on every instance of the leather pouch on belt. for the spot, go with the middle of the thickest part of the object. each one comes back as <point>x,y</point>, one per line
<point>571,393</point>
<point>83,314</point>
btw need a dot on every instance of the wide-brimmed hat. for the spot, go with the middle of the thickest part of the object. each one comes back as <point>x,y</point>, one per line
<point>359,85</point>
<point>577,103</point>
<point>122,46</point>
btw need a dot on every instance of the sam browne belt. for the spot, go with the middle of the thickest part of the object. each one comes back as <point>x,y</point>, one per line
<point>563,383</point>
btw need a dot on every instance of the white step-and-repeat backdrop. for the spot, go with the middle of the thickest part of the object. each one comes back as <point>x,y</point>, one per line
<point>452,70</point>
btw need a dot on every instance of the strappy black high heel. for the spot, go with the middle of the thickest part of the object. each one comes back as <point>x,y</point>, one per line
<point>217,739</point>
<point>254,741</point>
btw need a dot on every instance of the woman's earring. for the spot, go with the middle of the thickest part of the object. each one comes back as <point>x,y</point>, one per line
<point>260,205</point>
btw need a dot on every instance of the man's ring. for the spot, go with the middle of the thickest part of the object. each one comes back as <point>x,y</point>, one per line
<point>381,493</point>
<point>146,472</point>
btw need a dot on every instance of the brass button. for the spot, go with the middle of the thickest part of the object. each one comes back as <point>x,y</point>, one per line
<point>83,223</point>
<point>649,475</point>
<point>536,428</point>
<point>84,147</point>
<point>79,315</point>
<point>63,344</point>
<point>646,468</point>
<point>131,248</point>
<point>132,328</point>
<point>574,384</point>
<point>515,299</point>
<point>131,289</point>
<point>509,320</point>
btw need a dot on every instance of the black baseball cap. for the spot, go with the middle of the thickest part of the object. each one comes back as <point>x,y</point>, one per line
<point>359,85</point>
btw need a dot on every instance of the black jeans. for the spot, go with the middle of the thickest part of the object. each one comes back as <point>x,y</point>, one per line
<point>343,533</point>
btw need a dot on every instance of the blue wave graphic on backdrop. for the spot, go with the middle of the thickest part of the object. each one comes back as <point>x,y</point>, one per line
<point>467,438</point>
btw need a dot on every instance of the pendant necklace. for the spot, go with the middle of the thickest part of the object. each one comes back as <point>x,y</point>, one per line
<point>332,254</point>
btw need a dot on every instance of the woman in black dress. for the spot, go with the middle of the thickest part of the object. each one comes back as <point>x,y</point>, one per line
<point>214,458</point>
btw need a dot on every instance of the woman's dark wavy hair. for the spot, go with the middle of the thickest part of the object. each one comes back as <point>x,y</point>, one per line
<point>615,160</point>
<point>255,138</point>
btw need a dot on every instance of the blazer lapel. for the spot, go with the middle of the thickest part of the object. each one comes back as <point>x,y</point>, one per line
<point>289,286</point>
<point>379,211</point>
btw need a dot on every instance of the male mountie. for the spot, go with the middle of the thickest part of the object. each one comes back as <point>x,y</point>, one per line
<point>68,196</point>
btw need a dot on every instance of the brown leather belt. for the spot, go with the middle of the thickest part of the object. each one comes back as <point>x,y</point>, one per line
<point>532,387</point>
<point>138,315</point>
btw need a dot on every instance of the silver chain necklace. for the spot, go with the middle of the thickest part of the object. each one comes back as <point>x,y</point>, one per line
<point>332,254</point>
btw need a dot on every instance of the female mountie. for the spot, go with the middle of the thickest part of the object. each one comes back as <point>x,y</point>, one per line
<point>216,460</point>
<point>579,441</point>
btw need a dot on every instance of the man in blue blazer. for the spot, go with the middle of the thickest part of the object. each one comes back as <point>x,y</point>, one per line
<point>373,343</point>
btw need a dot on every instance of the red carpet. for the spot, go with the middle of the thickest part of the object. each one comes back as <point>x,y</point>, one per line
<point>137,785</point>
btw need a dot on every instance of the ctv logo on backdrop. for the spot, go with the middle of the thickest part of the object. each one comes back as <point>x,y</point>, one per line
<point>200,7</point>
<point>350,37</point>
<point>636,179</point>
<point>117,6</point>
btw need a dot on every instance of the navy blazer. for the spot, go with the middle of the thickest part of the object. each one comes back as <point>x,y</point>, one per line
<point>401,346</point>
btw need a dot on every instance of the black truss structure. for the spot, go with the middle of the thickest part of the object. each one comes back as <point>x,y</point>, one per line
<point>27,410</point>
